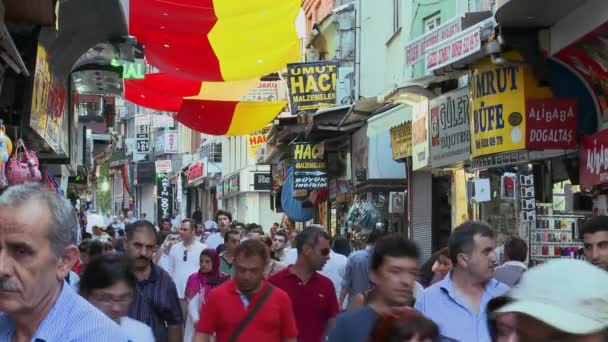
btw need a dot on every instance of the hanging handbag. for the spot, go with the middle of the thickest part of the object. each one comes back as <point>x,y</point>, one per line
<point>23,166</point>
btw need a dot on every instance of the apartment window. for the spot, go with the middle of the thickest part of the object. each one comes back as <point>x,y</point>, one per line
<point>396,15</point>
<point>432,22</point>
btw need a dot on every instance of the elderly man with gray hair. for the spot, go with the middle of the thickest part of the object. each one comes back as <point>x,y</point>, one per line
<point>37,250</point>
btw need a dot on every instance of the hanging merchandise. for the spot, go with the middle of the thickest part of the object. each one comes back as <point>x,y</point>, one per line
<point>23,166</point>
<point>6,148</point>
<point>51,183</point>
<point>507,186</point>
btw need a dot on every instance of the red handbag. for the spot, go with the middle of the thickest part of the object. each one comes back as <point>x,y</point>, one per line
<point>23,166</point>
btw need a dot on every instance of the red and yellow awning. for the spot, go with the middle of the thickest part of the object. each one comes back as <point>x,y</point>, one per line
<point>211,53</point>
<point>217,40</point>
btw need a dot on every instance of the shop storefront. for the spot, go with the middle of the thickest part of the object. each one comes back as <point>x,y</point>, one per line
<point>523,141</point>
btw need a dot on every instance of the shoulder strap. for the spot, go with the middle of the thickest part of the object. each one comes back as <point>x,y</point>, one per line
<point>251,314</point>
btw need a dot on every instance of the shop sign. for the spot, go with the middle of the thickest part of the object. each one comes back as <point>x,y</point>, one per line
<point>162,121</point>
<point>164,192</point>
<point>312,86</point>
<point>163,166</point>
<point>500,160</point>
<point>551,123</point>
<point>232,185</point>
<point>417,50</point>
<point>48,100</point>
<point>171,142</point>
<point>265,91</point>
<point>309,167</point>
<point>401,141</point>
<point>588,57</point>
<point>458,47</point>
<point>262,181</point>
<point>131,70</point>
<point>255,141</point>
<point>219,190</point>
<point>420,136</point>
<point>594,160</point>
<point>142,120</point>
<point>196,171</point>
<point>143,142</point>
<point>498,106</point>
<point>450,141</point>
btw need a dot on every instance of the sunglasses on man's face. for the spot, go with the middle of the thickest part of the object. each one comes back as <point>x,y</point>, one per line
<point>186,255</point>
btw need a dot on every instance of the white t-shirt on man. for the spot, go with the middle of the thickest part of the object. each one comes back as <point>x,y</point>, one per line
<point>180,269</point>
<point>136,330</point>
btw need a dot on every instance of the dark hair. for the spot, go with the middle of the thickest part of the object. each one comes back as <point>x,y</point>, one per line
<point>393,245</point>
<point>121,232</point>
<point>282,233</point>
<point>111,232</point>
<point>84,246</point>
<point>375,235</point>
<point>310,236</point>
<point>131,228</point>
<point>258,230</point>
<point>426,271</point>
<point>230,232</point>
<point>87,236</point>
<point>516,249</point>
<point>252,248</point>
<point>342,246</point>
<point>105,271</point>
<point>222,212</point>
<point>190,221</point>
<point>268,242</point>
<point>403,328</point>
<point>165,220</point>
<point>594,225</point>
<point>462,239</point>
<point>95,249</point>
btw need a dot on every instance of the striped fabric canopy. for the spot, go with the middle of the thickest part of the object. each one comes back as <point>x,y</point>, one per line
<point>198,44</point>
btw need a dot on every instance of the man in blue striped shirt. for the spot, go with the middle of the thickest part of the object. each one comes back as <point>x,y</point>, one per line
<point>37,250</point>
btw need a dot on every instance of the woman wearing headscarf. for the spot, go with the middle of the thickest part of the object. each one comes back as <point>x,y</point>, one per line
<point>199,285</point>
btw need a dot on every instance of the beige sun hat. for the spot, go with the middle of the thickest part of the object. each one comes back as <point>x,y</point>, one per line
<point>569,295</point>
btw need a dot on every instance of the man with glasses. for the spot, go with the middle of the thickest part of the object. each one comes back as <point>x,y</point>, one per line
<point>184,258</point>
<point>108,283</point>
<point>156,303</point>
<point>313,295</point>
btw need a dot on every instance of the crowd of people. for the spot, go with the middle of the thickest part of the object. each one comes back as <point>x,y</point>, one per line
<point>221,280</point>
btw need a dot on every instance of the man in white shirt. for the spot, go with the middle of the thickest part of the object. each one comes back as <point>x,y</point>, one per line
<point>279,244</point>
<point>184,258</point>
<point>223,219</point>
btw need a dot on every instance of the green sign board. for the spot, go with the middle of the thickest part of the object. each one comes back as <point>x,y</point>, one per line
<point>131,70</point>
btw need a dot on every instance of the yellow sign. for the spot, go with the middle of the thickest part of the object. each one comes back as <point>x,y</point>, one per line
<point>401,141</point>
<point>255,141</point>
<point>498,105</point>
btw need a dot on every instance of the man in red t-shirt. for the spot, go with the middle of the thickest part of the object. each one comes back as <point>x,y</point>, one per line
<point>230,303</point>
<point>313,295</point>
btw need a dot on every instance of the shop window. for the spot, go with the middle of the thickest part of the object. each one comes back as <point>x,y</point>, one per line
<point>432,22</point>
<point>211,150</point>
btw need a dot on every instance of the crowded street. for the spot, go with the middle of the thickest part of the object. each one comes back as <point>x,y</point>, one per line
<point>304,171</point>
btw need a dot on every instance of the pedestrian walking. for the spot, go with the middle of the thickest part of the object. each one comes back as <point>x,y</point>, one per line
<point>356,275</point>
<point>247,308</point>
<point>232,239</point>
<point>38,244</point>
<point>313,295</point>
<point>223,219</point>
<point>394,268</point>
<point>279,245</point>
<point>108,283</point>
<point>516,253</point>
<point>595,240</point>
<point>184,259</point>
<point>200,285</point>
<point>458,303</point>
<point>561,300</point>
<point>156,302</point>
